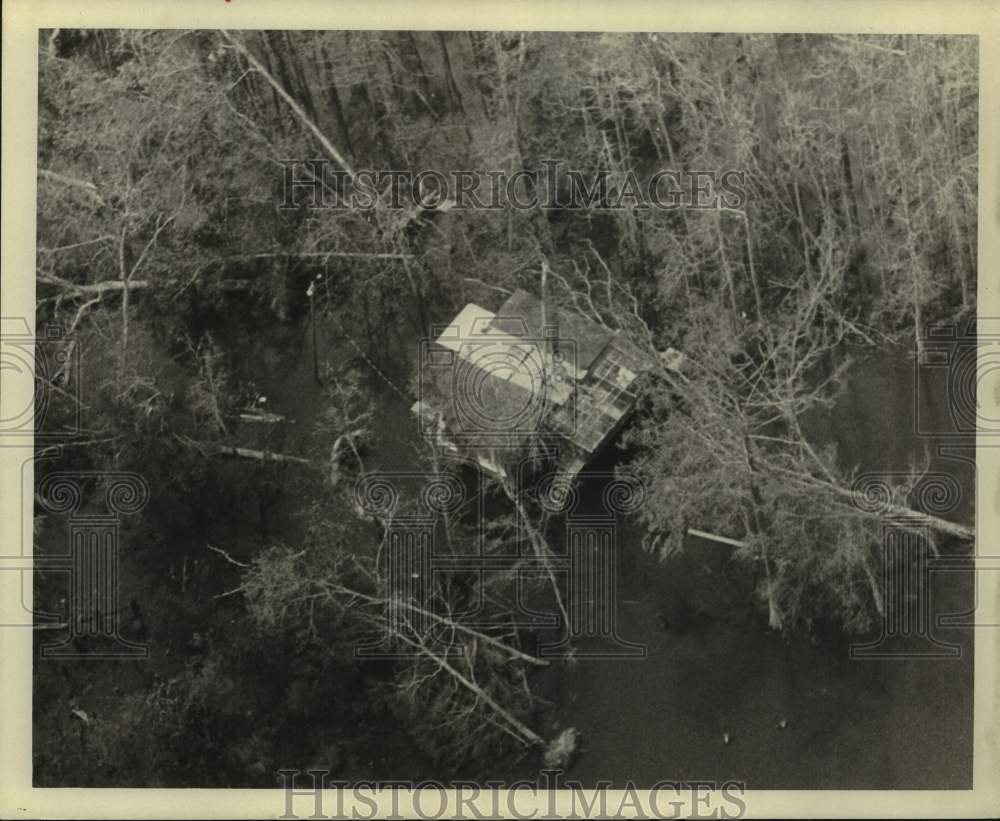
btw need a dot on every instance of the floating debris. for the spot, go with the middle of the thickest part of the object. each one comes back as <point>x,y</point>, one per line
<point>562,749</point>
<point>80,714</point>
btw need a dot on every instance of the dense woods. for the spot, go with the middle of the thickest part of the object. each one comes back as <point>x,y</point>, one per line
<point>188,291</point>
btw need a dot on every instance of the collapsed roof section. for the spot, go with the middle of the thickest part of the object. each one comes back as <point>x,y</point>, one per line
<point>494,386</point>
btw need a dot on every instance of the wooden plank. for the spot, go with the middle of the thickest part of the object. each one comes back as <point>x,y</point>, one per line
<point>701,534</point>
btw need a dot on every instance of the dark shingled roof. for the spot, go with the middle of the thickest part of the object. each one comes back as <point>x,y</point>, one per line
<point>478,409</point>
<point>486,403</point>
<point>521,315</point>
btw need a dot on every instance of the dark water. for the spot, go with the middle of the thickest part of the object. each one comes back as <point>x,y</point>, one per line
<point>717,669</point>
<point>862,724</point>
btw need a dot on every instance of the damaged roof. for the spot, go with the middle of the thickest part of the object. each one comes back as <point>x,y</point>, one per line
<point>521,315</point>
<point>496,380</point>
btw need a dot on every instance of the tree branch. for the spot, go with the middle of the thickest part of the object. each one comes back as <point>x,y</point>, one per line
<point>296,108</point>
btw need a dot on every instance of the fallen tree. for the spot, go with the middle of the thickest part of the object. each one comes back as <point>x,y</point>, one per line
<point>214,449</point>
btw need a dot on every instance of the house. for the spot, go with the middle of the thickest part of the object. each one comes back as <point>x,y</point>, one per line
<point>527,380</point>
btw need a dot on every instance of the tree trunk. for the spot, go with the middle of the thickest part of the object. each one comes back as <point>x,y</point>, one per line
<point>334,95</point>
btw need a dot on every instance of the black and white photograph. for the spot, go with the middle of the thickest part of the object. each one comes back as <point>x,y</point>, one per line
<point>502,411</point>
